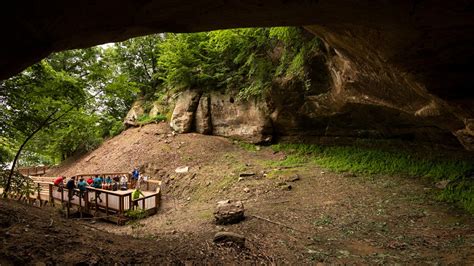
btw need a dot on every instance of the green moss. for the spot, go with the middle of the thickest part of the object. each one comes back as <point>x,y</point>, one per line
<point>146,119</point>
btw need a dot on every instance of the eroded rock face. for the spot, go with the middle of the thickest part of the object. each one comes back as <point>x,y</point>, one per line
<point>203,116</point>
<point>245,120</point>
<point>182,120</point>
<point>134,113</point>
<point>332,110</point>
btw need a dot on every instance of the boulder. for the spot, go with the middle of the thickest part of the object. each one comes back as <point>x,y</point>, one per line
<point>246,120</point>
<point>203,116</point>
<point>182,120</point>
<point>159,107</point>
<point>229,237</point>
<point>228,212</point>
<point>135,111</point>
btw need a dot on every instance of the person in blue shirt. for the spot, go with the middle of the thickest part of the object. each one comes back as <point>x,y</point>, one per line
<point>98,181</point>
<point>81,185</point>
<point>108,183</point>
<point>135,175</point>
<point>98,184</point>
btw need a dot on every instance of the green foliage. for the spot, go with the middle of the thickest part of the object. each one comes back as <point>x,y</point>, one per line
<point>246,60</point>
<point>6,151</point>
<point>371,160</point>
<point>21,185</point>
<point>461,192</point>
<point>146,119</point>
<point>136,214</point>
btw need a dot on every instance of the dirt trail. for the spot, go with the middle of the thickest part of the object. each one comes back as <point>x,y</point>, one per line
<point>324,217</point>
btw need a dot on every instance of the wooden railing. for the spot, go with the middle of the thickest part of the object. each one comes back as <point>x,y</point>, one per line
<point>108,201</point>
<point>33,171</point>
<point>105,174</point>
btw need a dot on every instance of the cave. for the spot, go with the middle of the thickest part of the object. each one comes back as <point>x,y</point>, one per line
<point>412,56</point>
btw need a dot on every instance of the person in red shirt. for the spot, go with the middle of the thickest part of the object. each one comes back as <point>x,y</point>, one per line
<point>90,181</point>
<point>59,182</point>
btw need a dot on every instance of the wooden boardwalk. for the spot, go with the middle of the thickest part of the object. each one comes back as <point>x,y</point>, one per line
<point>108,204</point>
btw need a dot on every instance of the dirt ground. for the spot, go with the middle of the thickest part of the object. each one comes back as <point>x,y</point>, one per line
<point>324,217</point>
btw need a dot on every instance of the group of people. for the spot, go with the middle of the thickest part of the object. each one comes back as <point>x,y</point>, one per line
<point>107,183</point>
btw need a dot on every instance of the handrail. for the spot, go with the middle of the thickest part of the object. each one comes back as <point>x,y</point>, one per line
<point>146,197</point>
<point>108,191</point>
<point>101,174</point>
<point>44,182</point>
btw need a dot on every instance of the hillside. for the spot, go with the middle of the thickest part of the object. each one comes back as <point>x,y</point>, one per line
<point>320,216</point>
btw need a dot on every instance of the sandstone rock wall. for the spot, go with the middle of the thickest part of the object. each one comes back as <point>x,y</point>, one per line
<point>354,101</point>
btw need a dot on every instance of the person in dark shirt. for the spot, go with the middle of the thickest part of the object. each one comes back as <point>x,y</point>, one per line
<point>71,185</point>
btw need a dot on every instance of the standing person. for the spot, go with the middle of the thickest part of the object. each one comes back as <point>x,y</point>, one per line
<point>71,185</point>
<point>136,195</point>
<point>82,187</point>
<point>135,175</point>
<point>59,182</point>
<point>108,183</point>
<point>97,184</point>
<point>123,183</point>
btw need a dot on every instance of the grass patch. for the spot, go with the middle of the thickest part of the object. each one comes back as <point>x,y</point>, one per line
<point>248,146</point>
<point>146,119</point>
<point>206,215</point>
<point>390,161</point>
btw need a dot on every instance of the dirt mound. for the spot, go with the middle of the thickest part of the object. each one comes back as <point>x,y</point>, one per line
<point>152,147</point>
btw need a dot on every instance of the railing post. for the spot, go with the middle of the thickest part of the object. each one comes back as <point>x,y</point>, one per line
<point>51,198</point>
<point>86,200</point>
<point>80,204</point>
<point>107,204</point>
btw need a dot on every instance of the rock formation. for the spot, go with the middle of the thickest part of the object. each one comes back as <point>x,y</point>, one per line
<point>411,58</point>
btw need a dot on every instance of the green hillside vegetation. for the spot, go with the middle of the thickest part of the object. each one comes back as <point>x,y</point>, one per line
<point>89,91</point>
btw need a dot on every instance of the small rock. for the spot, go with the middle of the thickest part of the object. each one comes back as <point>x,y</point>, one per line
<point>322,172</point>
<point>241,179</point>
<point>294,178</point>
<point>285,186</point>
<point>349,175</point>
<point>208,183</point>
<point>228,212</point>
<point>246,190</point>
<point>229,237</point>
<point>188,199</point>
<point>182,170</point>
<point>442,184</point>
<point>247,174</point>
<point>257,148</point>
